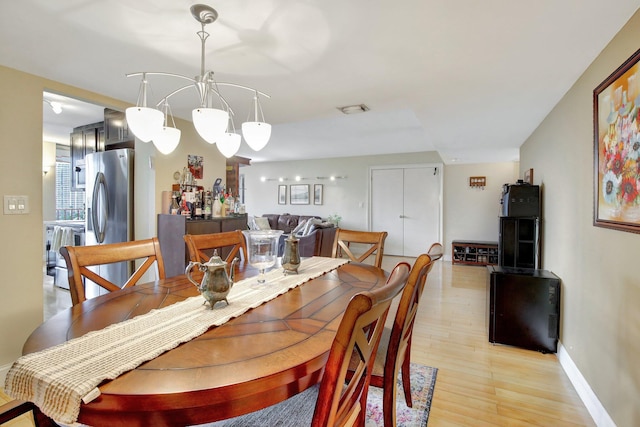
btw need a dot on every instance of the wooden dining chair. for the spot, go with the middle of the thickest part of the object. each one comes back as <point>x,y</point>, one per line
<point>13,409</point>
<point>373,241</point>
<point>202,246</point>
<point>336,401</point>
<point>394,351</point>
<point>436,251</point>
<point>79,258</point>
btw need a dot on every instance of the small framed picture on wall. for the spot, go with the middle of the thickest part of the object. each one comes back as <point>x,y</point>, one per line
<point>282,194</point>
<point>318,190</point>
<point>528,176</point>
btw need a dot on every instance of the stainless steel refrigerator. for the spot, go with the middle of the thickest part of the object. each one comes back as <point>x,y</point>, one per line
<point>109,210</point>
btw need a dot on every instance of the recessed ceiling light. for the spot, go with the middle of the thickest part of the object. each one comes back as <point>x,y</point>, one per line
<point>354,109</point>
<point>55,106</point>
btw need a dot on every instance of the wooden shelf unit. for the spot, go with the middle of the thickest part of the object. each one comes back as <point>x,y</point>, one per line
<point>473,252</point>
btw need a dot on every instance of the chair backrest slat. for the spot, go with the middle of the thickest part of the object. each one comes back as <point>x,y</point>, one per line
<point>374,239</point>
<point>201,246</point>
<point>79,258</point>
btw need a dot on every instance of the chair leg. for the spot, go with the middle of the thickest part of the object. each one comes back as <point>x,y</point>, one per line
<point>406,379</point>
<point>389,392</point>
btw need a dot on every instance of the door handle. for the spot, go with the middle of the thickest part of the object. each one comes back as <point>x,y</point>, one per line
<point>402,216</point>
<point>99,227</point>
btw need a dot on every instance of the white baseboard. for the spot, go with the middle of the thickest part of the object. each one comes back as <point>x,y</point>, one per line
<point>588,397</point>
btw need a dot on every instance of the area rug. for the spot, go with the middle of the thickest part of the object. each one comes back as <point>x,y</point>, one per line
<point>423,381</point>
<point>298,410</point>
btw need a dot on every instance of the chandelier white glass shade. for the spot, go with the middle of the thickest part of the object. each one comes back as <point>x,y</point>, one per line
<point>167,138</point>
<point>211,123</point>
<point>144,122</point>
<point>256,133</point>
<point>229,144</point>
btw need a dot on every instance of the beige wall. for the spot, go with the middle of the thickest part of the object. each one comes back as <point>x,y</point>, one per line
<point>600,326</point>
<point>472,213</point>
<point>21,174</point>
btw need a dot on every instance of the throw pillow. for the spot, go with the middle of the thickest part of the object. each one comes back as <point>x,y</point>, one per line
<point>251,222</point>
<point>311,225</point>
<point>262,223</point>
<point>299,227</point>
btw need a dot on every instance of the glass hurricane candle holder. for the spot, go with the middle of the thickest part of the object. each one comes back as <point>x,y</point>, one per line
<point>263,250</point>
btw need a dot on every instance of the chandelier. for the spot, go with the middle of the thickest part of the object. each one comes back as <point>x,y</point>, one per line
<point>214,125</point>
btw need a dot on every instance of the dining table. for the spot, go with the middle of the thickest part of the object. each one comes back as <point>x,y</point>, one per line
<point>262,357</point>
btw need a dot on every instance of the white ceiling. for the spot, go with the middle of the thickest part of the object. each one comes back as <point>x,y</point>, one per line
<point>471,79</point>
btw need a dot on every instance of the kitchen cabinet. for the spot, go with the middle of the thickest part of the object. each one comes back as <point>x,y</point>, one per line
<point>172,228</point>
<point>116,130</point>
<point>84,140</point>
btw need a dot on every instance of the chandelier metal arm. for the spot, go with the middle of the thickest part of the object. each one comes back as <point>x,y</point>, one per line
<point>243,87</point>
<point>192,80</point>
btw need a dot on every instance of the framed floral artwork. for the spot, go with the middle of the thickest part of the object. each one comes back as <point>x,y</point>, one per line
<point>616,118</point>
<point>196,164</point>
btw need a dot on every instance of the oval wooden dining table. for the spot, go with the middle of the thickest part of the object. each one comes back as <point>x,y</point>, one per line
<point>260,358</point>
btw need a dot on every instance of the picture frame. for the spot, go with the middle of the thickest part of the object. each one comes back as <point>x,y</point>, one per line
<point>196,165</point>
<point>282,194</point>
<point>299,194</point>
<point>528,176</point>
<point>616,116</point>
<point>318,193</point>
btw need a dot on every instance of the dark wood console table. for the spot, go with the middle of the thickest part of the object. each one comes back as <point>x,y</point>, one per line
<point>171,228</point>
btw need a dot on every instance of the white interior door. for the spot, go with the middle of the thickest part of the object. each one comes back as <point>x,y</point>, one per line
<point>405,202</point>
<point>387,196</point>
<point>421,210</point>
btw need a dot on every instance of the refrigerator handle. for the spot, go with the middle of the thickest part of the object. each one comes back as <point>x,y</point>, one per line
<point>99,227</point>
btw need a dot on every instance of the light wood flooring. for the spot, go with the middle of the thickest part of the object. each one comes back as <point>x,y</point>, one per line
<point>478,383</point>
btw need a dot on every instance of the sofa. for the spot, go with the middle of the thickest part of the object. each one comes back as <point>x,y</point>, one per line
<point>316,236</point>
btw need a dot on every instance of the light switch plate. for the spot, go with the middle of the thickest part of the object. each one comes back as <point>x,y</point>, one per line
<point>16,205</point>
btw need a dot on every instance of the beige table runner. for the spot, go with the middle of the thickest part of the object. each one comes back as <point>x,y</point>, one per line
<point>58,378</point>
